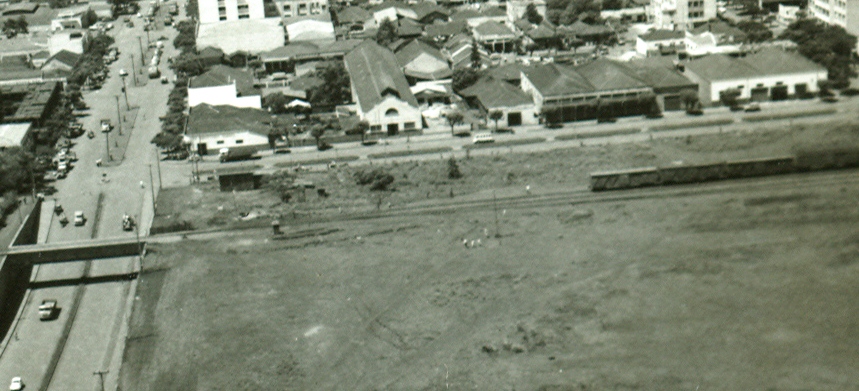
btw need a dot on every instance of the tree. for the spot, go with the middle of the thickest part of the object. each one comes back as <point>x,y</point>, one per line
<point>532,15</point>
<point>464,78</point>
<point>689,98</point>
<point>613,4</point>
<point>387,33</point>
<point>13,27</point>
<point>317,131</point>
<point>57,4</point>
<point>23,25</point>
<point>755,31</point>
<point>453,171</point>
<point>829,46</point>
<point>335,88</point>
<point>275,103</point>
<point>16,167</point>
<point>89,19</point>
<point>729,97</point>
<point>475,58</point>
<point>454,118</point>
<point>496,115</point>
<point>360,127</point>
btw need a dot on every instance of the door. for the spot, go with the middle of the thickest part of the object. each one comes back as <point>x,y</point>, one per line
<point>202,149</point>
<point>673,102</point>
<point>393,129</point>
<point>801,89</point>
<point>514,119</point>
<point>779,93</point>
<point>760,94</point>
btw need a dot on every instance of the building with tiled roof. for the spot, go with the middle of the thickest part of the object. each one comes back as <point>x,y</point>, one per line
<point>475,18</point>
<point>458,50</point>
<point>661,74</point>
<point>421,62</point>
<point>426,13</point>
<point>29,102</point>
<point>380,90</point>
<point>354,18</point>
<point>654,41</point>
<point>63,61</point>
<point>770,74</point>
<point>490,95</point>
<point>496,37</point>
<point>723,32</point>
<point>408,28</point>
<point>283,59</point>
<point>441,32</point>
<point>212,127</point>
<point>392,11</point>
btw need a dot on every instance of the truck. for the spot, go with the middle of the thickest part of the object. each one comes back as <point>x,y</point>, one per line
<point>48,310</point>
<point>154,72</point>
<point>234,154</point>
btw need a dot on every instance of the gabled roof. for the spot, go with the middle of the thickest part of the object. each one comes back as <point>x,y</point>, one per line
<point>66,57</point>
<point>554,79</point>
<point>353,15</point>
<point>509,71</point>
<point>720,28</point>
<point>375,75</point>
<point>492,93</point>
<point>541,32</point>
<point>414,49</point>
<point>310,49</point>
<point>465,15</point>
<point>662,35</point>
<point>42,54</point>
<point>409,28</point>
<point>580,28</point>
<point>607,75</point>
<point>775,61</point>
<point>211,52</point>
<point>426,8</point>
<point>493,28</point>
<point>660,73</point>
<point>221,75</point>
<point>721,67</point>
<point>205,118</point>
<point>523,25</point>
<point>445,29</point>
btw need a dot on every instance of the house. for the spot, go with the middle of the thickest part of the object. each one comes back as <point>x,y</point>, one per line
<point>428,13</point>
<point>594,34</point>
<point>668,83</point>
<point>770,74</point>
<point>458,49</point>
<point>428,93</point>
<point>408,29</point>
<point>475,17</point>
<point>284,59</point>
<point>442,32</point>
<point>210,56</point>
<point>496,37</point>
<point>380,90</point>
<point>544,36</point>
<point>211,128</point>
<point>310,30</point>
<point>787,14</point>
<point>601,88</point>
<point>64,61</point>
<point>39,58</point>
<point>354,18</point>
<point>223,85</point>
<point>71,40</point>
<point>392,11</point>
<point>70,18</point>
<point>16,134</point>
<point>422,62</point>
<point>657,41</point>
<point>490,95</point>
<point>510,72</point>
<point>30,102</point>
<point>724,33</point>
<point>626,15</point>
<point>38,16</point>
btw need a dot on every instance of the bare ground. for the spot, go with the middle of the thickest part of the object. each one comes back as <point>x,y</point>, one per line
<point>737,291</point>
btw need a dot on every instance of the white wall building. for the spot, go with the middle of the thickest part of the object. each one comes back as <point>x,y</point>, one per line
<point>681,14</point>
<point>213,11</point>
<point>222,95</point>
<point>653,41</point>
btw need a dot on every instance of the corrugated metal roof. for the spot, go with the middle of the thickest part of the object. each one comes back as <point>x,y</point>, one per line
<point>375,75</point>
<point>492,94</point>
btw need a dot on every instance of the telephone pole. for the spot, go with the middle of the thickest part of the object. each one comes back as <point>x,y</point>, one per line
<point>118,115</point>
<point>152,187</point>
<point>101,377</point>
<point>158,164</point>
<point>142,57</point>
<point>107,144</point>
<point>133,70</point>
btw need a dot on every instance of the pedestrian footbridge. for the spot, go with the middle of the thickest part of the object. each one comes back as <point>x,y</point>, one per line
<point>73,251</point>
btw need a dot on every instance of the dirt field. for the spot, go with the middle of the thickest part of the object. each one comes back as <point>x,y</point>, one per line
<point>737,291</point>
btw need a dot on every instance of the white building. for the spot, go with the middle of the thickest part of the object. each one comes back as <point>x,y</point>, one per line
<point>657,40</point>
<point>301,8</point>
<point>844,13</point>
<point>771,74</point>
<point>16,135</point>
<point>310,30</point>
<point>211,128</point>
<point>223,85</point>
<point>213,11</point>
<point>516,8</point>
<point>247,35</point>
<point>380,90</point>
<point>681,14</point>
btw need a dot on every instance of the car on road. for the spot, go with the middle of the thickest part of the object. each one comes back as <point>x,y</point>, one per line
<point>753,107</point>
<point>48,310</point>
<point>79,218</point>
<point>123,72</point>
<point>164,80</point>
<point>324,146</point>
<point>829,99</point>
<point>106,125</point>
<point>17,384</point>
<point>127,223</point>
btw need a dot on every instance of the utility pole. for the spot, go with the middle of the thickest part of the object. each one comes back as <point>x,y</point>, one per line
<point>142,57</point>
<point>107,144</point>
<point>158,164</point>
<point>101,377</point>
<point>125,92</point>
<point>118,115</point>
<point>152,187</point>
<point>497,225</point>
<point>133,71</point>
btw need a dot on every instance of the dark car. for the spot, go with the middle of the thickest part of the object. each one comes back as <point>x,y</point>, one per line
<point>753,107</point>
<point>324,146</point>
<point>736,108</point>
<point>606,120</point>
<point>695,112</point>
<point>554,125</point>
<point>829,99</point>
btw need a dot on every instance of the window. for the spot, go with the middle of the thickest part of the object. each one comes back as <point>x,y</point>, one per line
<point>409,125</point>
<point>222,18</point>
<point>220,142</point>
<point>392,112</point>
<point>244,16</point>
<point>239,141</point>
<point>760,84</point>
<point>740,87</point>
<point>375,128</point>
<point>778,83</point>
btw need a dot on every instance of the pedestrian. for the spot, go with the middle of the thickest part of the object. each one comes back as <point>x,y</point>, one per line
<point>528,189</point>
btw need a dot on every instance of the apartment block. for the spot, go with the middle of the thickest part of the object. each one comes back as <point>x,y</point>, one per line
<point>681,14</point>
<point>844,13</point>
<point>213,11</point>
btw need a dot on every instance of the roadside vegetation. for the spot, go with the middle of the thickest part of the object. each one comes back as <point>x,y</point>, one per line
<point>829,46</point>
<point>173,123</point>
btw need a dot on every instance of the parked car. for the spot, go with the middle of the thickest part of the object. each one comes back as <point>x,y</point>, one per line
<point>324,146</point>
<point>79,218</point>
<point>752,107</point>
<point>123,72</point>
<point>17,384</point>
<point>829,99</point>
<point>48,310</point>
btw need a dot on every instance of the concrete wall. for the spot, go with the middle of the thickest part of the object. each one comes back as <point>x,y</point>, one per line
<point>12,272</point>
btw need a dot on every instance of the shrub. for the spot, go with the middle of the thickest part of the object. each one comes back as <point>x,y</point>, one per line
<point>378,179</point>
<point>453,171</point>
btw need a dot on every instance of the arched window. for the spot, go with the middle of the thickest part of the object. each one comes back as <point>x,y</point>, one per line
<point>392,112</point>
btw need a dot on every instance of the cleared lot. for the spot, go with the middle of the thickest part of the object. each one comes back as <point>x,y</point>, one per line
<point>741,290</point>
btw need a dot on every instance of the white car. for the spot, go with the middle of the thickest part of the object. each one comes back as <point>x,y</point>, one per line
<point>482,138</point>
<point>17,384</point>
<point>123,72</point>
<point>79,218</point>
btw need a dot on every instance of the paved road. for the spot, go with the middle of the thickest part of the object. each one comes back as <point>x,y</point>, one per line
<point>94,338</point>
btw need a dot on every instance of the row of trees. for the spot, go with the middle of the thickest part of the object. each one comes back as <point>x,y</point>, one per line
<point>173,123</point>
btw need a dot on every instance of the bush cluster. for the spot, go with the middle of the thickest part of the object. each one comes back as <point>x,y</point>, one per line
<point>378,179</point>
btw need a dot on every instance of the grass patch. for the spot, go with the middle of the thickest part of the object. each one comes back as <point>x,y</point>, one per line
<point>507,143</point>
<point>799,114</point>
<point>317,161</point>
<point>692,124</point>
<point>409,153</point>
<point>598,133</point>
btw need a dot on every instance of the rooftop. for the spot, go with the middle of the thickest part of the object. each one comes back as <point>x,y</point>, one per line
<point>375,75</point>
<point>66,57</point>
<point>220,75</point>
<point>206,119</point>
<point>554,79</point>
<point>607,75</point>
<point>662,35</point>
<point>445,29</point>
<point>492,93</point>
<point>13,134</point>
<point>353,15</point>
<point>491,28</point>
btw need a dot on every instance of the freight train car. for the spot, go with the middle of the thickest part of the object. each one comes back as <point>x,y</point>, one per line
<point>625,179</point>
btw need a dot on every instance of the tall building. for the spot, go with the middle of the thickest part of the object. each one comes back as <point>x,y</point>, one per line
<point>681,14</point>
<point>844,13</point>
<point>213,11</point>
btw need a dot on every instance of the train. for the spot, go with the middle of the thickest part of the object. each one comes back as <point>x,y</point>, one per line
<point>805,160</point>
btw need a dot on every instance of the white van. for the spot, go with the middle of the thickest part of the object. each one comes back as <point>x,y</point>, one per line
<point>482,138</point>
